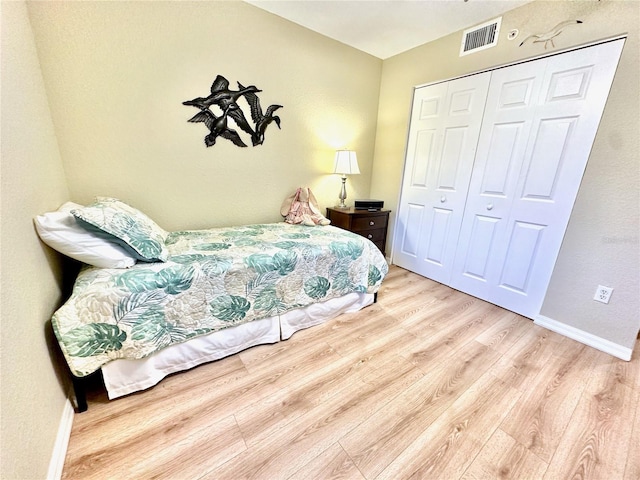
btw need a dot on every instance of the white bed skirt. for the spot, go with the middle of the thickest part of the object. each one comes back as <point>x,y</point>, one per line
<point>122,377</point>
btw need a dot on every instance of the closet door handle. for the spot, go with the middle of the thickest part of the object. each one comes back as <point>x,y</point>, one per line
<point>443,199</point>
<point>490,206</point>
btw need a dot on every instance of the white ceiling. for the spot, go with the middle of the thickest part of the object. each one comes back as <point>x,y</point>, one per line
<point>384,28</point>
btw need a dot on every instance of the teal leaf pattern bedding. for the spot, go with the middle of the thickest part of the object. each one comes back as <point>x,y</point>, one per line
<point>316,287</point>
<point>212,279</point>
<point>94,339</point>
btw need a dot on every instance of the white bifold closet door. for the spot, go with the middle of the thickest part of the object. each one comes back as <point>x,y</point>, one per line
<point>445,124</point>
<point>535,138</point>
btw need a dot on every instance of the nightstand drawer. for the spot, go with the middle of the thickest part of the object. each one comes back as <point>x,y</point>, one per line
<point>369,223</point>
<point>374,235</point>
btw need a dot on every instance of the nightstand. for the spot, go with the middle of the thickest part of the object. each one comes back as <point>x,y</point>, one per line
<point>369,224</point>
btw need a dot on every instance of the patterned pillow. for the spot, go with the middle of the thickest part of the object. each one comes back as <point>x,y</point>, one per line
<point>125,225</point>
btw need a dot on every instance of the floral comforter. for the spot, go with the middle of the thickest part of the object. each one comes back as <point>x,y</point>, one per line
<point>212,280</point>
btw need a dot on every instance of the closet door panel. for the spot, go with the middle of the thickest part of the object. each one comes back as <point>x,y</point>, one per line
<point>550,154</point>
<point>445,125</point>
<point>420,170</point>
<point>440,228</point>
<point>522,248</point>
<point>476,261</point>
<point>506,126</point>
<point>565,121</point>
<point>410,239</point>
<point>423,158</point>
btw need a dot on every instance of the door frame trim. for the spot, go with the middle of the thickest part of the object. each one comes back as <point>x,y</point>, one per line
<point>529,59</point>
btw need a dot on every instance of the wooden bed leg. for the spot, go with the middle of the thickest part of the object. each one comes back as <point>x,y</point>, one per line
<point>375,297</point>
<point>80,393</point>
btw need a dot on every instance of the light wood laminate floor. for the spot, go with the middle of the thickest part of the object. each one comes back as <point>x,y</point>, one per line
<point>428,383</point>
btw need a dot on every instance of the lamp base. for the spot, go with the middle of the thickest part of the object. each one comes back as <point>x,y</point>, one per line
<point>343,194</point>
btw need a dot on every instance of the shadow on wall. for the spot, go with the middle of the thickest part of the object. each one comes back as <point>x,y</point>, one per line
<point>65,270</point>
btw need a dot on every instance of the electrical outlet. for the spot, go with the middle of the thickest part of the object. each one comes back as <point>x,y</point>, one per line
<point>603,294</point>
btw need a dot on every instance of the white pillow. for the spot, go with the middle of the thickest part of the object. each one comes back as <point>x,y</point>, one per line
<point>61,232</point>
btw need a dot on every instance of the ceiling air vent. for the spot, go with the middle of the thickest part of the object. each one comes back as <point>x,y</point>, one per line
<point>480,37</point>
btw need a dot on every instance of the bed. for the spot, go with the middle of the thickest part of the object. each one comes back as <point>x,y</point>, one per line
<point>195,296</point>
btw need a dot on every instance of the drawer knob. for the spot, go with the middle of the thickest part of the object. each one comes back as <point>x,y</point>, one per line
<point>369,236</point>
<point>372,223</point>
<point>443,199</point>
<point>490,206</point>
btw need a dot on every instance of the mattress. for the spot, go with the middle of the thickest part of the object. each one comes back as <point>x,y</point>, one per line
<point>213,280</point>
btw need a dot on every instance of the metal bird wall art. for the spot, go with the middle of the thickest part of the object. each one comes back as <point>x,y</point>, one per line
<point>547,37</point>
<point>217,126</point>
<point>227,102</point>
<point>260,120</point>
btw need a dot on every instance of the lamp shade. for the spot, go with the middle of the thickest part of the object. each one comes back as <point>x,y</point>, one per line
<point>346,163</point>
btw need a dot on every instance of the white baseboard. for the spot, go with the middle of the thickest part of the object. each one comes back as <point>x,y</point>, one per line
<point>587,338</point>
<point>62,442</point>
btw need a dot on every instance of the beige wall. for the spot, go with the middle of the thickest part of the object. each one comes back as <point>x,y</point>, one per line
<point>117,73</point>
<point>115,76</point>
<point>32,181</point>
<point>601,243</point>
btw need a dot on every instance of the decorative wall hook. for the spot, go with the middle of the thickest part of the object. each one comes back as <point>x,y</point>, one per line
<point>226,100</point>
<point>547,37</point>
